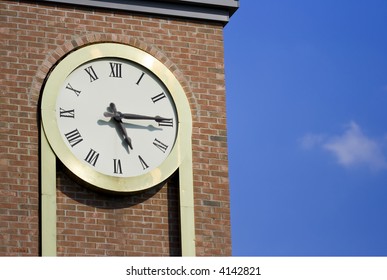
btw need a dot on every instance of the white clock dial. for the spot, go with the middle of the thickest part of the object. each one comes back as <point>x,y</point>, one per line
<point>116,117</point>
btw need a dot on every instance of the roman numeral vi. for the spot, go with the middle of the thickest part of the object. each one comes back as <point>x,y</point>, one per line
<point>117,166</point>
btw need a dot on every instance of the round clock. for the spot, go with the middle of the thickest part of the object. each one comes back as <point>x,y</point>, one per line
<point>114,115</point>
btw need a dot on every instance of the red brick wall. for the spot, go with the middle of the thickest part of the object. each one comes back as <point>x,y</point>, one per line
<point>32,39</point>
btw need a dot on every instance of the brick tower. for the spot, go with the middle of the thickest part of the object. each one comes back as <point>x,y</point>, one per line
<point>186,37</point>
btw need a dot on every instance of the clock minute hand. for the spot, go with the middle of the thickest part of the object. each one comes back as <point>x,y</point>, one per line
<point>142,117</point>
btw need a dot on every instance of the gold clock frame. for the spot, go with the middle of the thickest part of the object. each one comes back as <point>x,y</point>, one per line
<point>52,144</point>
<point>82,170</point>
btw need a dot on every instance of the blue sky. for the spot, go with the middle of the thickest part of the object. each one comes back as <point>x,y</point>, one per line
<point>306,86</point>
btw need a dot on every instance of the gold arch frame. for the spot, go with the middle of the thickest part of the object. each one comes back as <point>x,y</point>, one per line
<point>52,145</point>
<point>80,169</point>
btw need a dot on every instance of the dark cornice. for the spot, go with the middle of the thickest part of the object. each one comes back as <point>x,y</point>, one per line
<point>213,10</point>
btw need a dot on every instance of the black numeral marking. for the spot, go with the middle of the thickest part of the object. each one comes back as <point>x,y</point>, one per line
<point>166,122</point>
<point>117,166</point>
<point>66,113</point>
<point>92,157</point>
<point>93,76</point>
<point>74,137</point>
<point>115,70</point>
<point>77,92</point>
<point>143,163</point>
<point>160,145</point>
<point>139,80</point>
<point>158,97</point>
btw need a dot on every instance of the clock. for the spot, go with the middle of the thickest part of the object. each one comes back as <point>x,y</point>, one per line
<point>114,115</point>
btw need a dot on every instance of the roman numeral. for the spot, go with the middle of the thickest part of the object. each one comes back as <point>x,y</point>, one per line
<point>74,137</point>
<point>92,157</point>
<point>143,163</point>
<point>77,92</point>
<point>160,145</point>
<point>158,97</point>
<point>115,70</point>
<point>117,166</point>
<point>139,80</point>
<point>66,113</point>
<point>93,76</point>
<point>166,122</point>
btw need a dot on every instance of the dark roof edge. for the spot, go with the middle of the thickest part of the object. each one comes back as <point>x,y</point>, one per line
<point>213,10</point>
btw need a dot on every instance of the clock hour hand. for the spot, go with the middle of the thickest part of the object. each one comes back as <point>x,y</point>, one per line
<point>125,135</point>
<point>117,117</point>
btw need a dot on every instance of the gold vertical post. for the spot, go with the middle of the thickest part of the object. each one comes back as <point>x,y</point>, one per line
<point>48,197</point>
<point>187,215</point>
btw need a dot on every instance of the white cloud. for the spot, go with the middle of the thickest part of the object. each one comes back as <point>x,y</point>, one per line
<point>310,141</point>
<point>352,148</point>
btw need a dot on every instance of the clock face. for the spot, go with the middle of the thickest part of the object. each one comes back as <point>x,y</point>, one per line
<point>116,117</point>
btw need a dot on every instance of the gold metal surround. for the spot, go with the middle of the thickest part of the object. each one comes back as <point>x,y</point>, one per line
<point>51,90</point>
